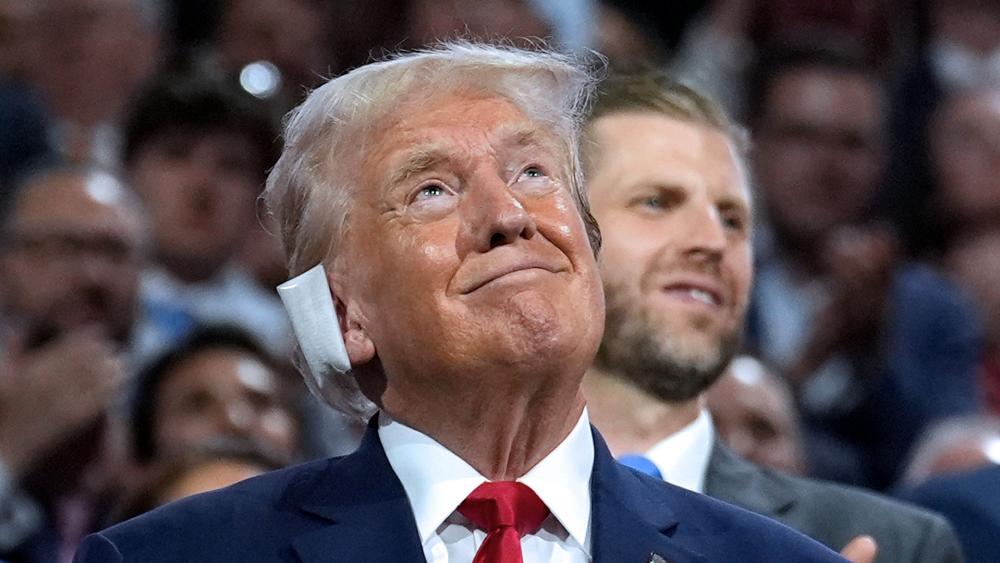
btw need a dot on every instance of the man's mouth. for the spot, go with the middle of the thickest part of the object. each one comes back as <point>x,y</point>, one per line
<point>699,293</point>
<point>499,272</point>
<point>695,294</point>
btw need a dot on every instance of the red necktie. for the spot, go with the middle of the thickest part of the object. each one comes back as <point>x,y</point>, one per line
<point>506,510</point>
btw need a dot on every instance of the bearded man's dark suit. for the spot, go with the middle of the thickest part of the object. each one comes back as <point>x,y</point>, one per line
<point>354,509</point>
<point>832,514</point>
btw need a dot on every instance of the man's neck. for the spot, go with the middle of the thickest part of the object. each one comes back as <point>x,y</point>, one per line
<point>502,434</point>
<point>630,419</point>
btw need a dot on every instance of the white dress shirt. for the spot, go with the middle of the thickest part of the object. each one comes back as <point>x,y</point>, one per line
<point>436,481</point>
<point>682,457</point>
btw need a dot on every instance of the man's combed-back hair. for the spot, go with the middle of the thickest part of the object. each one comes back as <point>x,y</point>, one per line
<point>310,189</point>
<point>655,91</point>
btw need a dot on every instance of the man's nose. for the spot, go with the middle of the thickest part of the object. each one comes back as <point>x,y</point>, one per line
<point>705,232</point>
<point>493,216</point>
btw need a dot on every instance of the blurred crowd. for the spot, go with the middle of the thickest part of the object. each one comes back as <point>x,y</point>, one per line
<point>144,354</point>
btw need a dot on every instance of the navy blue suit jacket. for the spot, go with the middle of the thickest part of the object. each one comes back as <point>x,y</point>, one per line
<point>354,509</point>
<point>971,501</point>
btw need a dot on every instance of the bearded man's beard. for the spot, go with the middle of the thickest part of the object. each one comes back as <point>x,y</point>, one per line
<point>664,365</point>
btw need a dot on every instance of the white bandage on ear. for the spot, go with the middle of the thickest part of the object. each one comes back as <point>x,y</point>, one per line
<point>309,302</point>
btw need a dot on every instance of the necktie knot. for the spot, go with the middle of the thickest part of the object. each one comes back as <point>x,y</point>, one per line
<point>505,504</point>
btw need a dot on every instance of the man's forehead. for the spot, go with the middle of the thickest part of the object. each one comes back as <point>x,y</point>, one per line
<point>507,134</point>
<point>70,201</point>
<point>811,92</point>
<point>485,113</point>
<point>225,138</point>
<point>641,143</point>
<point>451,130</point>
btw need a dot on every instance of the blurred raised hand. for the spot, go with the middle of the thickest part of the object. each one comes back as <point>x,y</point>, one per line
<point>49,392</point>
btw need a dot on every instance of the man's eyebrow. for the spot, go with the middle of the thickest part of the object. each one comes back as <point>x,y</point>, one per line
<point>530,135</point>
<point>736,204</point>
<point>417,161</point>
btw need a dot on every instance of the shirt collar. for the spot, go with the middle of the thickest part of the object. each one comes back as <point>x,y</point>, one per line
<point>436,480</point>
<point>562,480</point>
<point>682,457</point>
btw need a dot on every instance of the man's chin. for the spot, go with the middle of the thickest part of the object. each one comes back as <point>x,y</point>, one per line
<point>694,337</point>
<point>544,345</point>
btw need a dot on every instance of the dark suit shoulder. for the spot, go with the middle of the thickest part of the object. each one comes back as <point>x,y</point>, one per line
<point>215,526</point>
<point>749,536</point>
<point>833,514</point>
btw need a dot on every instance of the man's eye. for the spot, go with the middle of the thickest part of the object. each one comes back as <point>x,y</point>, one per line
<point>532,172</point>
<point>734,222</point>
<point>431,200</point>
<point>431,191</point>
<point>652,202</point>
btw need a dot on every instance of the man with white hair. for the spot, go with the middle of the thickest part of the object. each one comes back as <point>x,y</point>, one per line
<point>441,193</point>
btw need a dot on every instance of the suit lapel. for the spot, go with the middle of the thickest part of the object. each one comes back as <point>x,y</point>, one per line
<point>369,515</point>
<point>632,522</point>
<point>734,480</point>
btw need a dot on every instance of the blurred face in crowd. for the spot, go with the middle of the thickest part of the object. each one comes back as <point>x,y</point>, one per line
<point>465,253</point>
<point>954,445</point>
<point>221,393</point>
<point>973,24</point>
<point>90,56</point>
<point>819,151</point>
<point>200,190</point>
<point>964,454</point>
<point>673,204</point>
<point>755,416</point>
<point>965,148</point>
<point>974,262</point>
<point>288,33</point>
<point>70,255</point>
